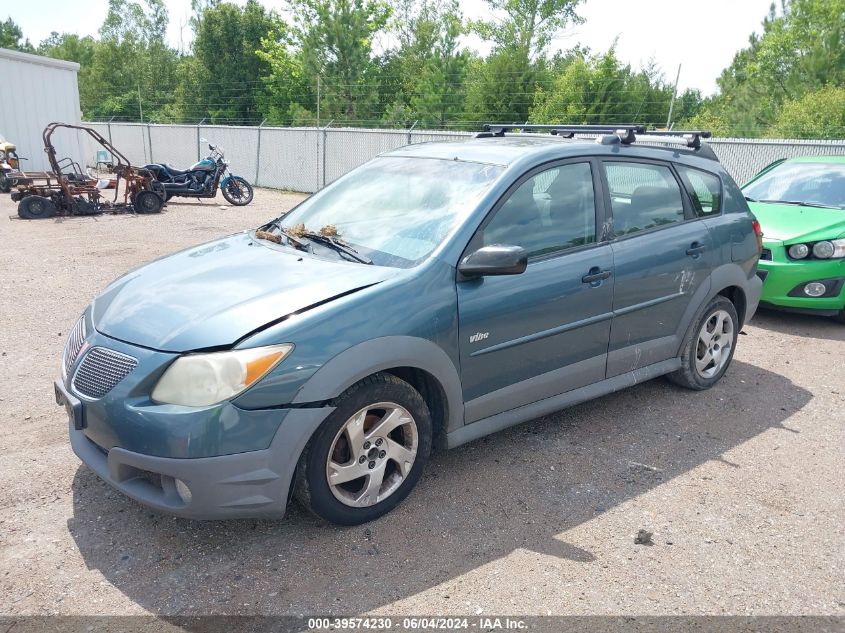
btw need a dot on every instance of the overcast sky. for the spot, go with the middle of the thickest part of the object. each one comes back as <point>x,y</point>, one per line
<point>701,36</point>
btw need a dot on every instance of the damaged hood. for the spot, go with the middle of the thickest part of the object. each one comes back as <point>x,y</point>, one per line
<point>214,294</point>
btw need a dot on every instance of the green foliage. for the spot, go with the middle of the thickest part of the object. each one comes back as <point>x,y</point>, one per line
<point>12,37</point>
<point>229,69</point>
<point>801,50</point>
<point>289,96</point>
<point>399,62</point>
<point>501,88</point>
<point>437,97</point>
<point>600,89</point>
<point>130,69</point>
<point>818,114</point>
<point>335,40</point>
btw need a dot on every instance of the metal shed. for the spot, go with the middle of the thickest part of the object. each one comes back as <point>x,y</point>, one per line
<point>45,90</point>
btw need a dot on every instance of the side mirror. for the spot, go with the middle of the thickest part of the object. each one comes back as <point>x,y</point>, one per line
<point>498,259</point>
<point>211,147</point>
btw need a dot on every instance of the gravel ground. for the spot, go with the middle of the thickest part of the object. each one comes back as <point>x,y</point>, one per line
<point>740,485</point>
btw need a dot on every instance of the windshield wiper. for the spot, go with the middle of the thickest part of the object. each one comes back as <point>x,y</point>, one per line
<point>798,203</point>
<point>337,246</point>
<point>293,240</point>
<point>749,199</point>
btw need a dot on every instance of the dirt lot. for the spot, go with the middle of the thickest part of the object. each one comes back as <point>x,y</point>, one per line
<point>741,485</point>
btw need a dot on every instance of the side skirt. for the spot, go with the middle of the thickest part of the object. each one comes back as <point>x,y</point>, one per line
<point>537,409</point>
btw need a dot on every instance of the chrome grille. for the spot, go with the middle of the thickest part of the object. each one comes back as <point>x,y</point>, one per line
<point>75,340</point>
<point>100,370</point>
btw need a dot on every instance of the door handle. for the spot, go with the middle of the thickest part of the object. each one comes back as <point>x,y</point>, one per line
<point>695,249</point>
<point>595,274</point>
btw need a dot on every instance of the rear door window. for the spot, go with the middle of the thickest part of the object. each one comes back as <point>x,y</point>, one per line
<point>643,196</point>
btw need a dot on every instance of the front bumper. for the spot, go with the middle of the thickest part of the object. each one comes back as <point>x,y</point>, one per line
<point>783,276</point>
<point>252,484</point>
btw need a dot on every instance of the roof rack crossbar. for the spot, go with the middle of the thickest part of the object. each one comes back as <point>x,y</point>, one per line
<point>691,137</point>
<point>626,132</point>
<point>499,129</point>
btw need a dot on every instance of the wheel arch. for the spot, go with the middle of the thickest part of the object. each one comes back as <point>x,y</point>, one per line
<point>420,362</point>
<point>736,296</point>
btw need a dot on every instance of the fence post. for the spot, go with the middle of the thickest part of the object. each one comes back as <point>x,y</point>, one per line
<point>108,125</point>
<point>411,129</point>
<point>150,139</point>
<point>199,147</point>
<point>325,138</point>
<point>258,152</point>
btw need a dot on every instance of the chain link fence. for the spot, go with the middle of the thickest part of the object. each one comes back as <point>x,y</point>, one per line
<point>306,159</point>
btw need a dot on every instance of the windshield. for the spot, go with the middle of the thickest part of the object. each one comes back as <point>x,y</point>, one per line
<point>817,184</point>
<point>395,210</point>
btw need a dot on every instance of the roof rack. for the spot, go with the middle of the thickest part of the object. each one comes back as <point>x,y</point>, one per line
<point>626,133</point>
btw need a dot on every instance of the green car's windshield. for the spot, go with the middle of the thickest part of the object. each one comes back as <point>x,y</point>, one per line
<point>811,184</point>
<point>393,210</point>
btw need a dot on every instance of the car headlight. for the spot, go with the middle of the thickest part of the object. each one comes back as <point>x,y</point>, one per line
<point>827,249</point>
<point>200,380</point>
<point>799,251</point>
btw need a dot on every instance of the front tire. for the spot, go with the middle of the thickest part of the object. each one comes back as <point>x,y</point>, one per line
<point>708,347</point>
<point>368,454</point>
<point>5,183</point>
<point>36,208</point>
<point>237,191</point>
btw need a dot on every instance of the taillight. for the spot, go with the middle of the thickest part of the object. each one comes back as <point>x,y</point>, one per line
<point>758,231</point>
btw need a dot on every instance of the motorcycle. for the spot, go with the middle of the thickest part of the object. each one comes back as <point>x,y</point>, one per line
<point>202,179</point>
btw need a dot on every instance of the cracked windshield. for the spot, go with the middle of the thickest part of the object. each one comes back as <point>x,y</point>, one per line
<point>393,211</point>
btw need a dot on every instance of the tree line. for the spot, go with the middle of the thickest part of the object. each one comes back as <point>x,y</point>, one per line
<point>404,62</point>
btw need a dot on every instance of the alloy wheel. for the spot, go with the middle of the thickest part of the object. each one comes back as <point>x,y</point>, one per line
<point>714,344</point>
<point>372,454</point>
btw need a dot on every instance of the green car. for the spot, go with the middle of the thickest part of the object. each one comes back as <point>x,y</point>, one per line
<point>800,204</point>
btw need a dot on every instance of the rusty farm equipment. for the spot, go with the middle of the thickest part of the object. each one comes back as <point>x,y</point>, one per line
<point>68,190</point>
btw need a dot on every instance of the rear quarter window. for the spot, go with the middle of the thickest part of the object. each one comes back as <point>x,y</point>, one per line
<point>705,190</point>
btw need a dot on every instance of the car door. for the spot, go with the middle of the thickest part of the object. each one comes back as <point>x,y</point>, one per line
<point>543,332</point>
<point>662,255</point>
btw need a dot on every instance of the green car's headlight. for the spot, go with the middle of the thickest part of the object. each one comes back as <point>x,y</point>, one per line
<point>200,380</point>
<point>828,249</point>
<point>799,251</point>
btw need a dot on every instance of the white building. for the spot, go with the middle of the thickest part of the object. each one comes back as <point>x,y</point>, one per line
<point>37,91</point>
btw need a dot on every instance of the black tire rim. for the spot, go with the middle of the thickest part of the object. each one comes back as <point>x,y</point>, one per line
<point>148,201</point>
<point>37,207</point>
<point>238,191</point>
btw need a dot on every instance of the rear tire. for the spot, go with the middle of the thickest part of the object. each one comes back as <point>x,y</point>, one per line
<point>147,202</point>
<point>368,454</point>
<point>708,346</point>
<point>238,191</point>
<point>36,208</point>
<point>5,183</point>
<point>841,316</point>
